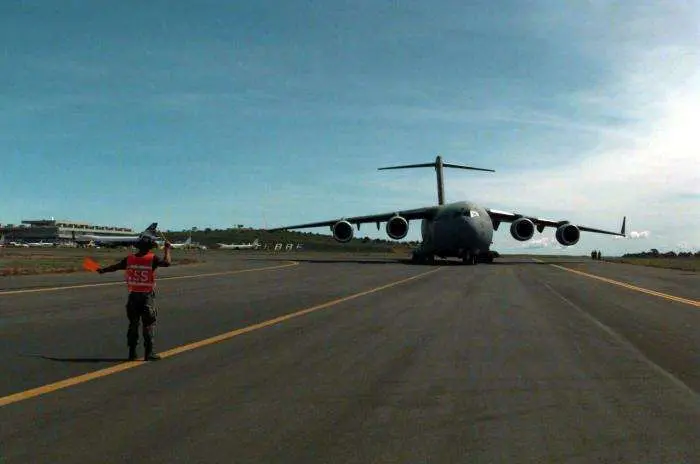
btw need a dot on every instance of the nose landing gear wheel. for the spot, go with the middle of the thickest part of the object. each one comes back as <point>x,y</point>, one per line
<point>470,258</point>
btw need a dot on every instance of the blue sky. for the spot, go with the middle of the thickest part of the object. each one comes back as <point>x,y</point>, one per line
<point>215,113</point>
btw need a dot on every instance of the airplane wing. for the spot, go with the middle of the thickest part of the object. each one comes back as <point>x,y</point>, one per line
<point>503,216</point>
<point>410,214</point>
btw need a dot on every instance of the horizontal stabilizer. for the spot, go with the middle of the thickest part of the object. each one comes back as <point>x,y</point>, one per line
<point>433,165</point>
<point>438,165</point>
<point>459,166</point>
<point>407,166</point>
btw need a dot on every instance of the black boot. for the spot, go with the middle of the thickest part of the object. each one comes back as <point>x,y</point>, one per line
<point>132,353</point>
<point>150,355</point>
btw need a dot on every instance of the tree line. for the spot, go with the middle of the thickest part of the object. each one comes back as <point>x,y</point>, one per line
<point>654,253</point>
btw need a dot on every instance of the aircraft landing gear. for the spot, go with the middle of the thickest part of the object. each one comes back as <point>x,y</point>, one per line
<point>469,258</point>
<point>420,258</point>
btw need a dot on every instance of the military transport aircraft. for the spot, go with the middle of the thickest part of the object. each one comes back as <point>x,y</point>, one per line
<point>462,229</point>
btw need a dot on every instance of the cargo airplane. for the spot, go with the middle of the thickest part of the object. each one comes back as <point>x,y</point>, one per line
<point>462,229</point>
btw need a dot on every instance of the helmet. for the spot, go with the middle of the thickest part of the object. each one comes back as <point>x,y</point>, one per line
<point>145,243</point>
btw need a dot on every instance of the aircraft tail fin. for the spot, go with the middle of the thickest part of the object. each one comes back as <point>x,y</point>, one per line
<point>438,165</point>
<point>151,231</point>
<point>622,230</point>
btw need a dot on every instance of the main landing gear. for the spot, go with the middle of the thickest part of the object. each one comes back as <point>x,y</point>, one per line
<point>469,258</point>
<point>420,258</point>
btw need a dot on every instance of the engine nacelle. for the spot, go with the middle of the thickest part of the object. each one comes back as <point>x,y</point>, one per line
<point>568,234</point>
<point>397,227</point>
<point>343,231</point>
<point>522,229</point>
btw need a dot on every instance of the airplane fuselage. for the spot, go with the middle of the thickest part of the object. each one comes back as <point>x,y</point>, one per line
<point>455,229</point>
<point>461,229</point>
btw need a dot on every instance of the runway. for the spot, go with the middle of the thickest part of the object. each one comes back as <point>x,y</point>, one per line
<point>317,358</point>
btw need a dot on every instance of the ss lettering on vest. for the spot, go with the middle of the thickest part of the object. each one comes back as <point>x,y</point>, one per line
<point>139,273</point>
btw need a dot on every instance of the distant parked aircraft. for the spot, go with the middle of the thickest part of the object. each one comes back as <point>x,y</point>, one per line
<point>40,244</point>
<point>117,240</point>
<point>187,243</point>
<point>240,246</point>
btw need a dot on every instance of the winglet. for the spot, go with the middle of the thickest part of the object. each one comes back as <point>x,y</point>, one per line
<point>622,231</point>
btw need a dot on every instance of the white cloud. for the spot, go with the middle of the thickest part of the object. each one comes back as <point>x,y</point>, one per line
<point>643,234</point>
<point>544,242</point>
<point>633,235</point>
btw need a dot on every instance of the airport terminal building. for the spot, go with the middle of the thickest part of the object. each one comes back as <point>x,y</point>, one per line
<point>56,231</point>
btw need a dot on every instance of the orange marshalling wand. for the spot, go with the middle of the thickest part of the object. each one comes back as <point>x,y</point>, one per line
<point>90,265</point>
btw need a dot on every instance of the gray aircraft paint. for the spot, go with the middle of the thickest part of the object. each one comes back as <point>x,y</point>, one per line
<point>457,227</point>
<point>461,229</point>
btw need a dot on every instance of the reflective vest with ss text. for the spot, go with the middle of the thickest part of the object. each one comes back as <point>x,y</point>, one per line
<point>140,276</point>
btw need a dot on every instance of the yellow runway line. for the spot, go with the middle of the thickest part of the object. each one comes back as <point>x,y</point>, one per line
<point>34,392</point>
<point>678,299</point>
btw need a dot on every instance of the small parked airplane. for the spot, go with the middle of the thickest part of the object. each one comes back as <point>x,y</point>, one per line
<point>240,246</point>
<point>187,243</point>
<point>40,244</point>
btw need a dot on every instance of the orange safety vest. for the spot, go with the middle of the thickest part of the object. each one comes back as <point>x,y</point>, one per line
<point>140,276</point>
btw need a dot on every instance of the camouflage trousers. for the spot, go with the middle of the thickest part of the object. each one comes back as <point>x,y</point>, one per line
<point>141,308</point>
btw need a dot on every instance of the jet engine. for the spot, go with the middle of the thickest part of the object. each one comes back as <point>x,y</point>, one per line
<point>397,227</point>
<point>522,229</point>
<point>568,234</point>
<point>342,231</point>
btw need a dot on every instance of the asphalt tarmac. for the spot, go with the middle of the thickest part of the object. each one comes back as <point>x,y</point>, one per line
<point>328,358</point>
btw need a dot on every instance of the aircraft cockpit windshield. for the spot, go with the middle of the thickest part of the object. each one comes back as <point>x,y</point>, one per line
<point>467,213</point>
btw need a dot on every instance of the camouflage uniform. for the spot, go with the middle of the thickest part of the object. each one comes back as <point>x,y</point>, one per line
<point>141,307</point>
